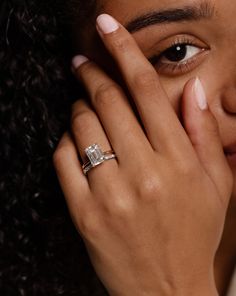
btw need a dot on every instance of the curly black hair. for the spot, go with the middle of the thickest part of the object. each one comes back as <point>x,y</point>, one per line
<point>41,254</point>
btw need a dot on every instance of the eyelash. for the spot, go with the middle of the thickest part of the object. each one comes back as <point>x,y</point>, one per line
<point>178,68</point>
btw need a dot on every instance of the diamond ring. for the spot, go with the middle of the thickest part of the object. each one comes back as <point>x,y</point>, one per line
<point>96,157</point>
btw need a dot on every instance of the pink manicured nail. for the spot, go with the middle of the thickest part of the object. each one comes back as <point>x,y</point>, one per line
<point>200,95</point>
<point>78,60</point>
<point>107,24</point>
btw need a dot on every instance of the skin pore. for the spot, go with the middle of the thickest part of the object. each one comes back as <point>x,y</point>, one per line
<point>201,37</point>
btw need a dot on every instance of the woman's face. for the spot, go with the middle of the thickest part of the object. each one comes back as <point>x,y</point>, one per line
<point>184,39</point>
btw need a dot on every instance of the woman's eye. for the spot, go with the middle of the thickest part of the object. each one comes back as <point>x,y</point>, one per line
<point>179,53</point>
<point>179,59</point>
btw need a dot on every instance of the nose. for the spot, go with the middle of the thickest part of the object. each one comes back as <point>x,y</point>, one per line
<point>229,100</point>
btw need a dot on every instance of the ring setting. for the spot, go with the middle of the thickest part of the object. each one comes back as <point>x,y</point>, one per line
<point>96,157</point>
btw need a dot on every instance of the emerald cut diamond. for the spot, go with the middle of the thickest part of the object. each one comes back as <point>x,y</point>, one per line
<point>95,154</point>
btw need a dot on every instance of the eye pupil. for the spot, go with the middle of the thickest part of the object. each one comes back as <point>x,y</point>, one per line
<point>176,53</point>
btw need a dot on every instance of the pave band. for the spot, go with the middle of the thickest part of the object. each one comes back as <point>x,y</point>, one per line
<point>96,157</point>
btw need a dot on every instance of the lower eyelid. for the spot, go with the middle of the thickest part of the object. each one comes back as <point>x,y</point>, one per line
<point>175,69</point>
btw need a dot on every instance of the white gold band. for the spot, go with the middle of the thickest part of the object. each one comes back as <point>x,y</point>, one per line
<point>96,157</point>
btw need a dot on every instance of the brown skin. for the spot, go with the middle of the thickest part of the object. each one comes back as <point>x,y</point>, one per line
<point>216,69</point>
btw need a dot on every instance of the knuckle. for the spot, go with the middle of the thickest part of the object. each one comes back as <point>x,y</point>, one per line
<point>184,167</point>
<point>59,156</point>
<point>121,43</point>
<point>88,225</point>
<point>77,106</point>
<point>56,157</point>
<point>149,187</point>
<point>188,171</point>
<point>81,122</point>
<point>119,204</point>
<point>84,70</point>
<point>145,80</point>
<point>120,209</point>
<point>107,94</point>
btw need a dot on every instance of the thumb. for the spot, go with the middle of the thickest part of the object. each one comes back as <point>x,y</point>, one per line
<point>203,132</point>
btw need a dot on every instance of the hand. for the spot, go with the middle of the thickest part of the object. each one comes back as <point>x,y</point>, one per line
<point>151,219</point>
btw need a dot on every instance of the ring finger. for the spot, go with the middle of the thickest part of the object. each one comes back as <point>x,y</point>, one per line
<point>87,130</point>
<point>117,117</point>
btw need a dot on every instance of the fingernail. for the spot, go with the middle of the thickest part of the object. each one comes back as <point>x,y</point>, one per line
<point>107,24</point>
<point>200,95</point>
<point>77,61</point>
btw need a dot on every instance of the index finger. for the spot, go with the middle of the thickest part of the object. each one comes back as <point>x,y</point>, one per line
<point>159,119</point>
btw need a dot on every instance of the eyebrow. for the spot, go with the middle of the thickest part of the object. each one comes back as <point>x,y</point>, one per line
<point>187,13</point>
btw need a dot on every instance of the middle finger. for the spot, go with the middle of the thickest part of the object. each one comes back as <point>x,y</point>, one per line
<point>158,117</point>
<point>116,115</point>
